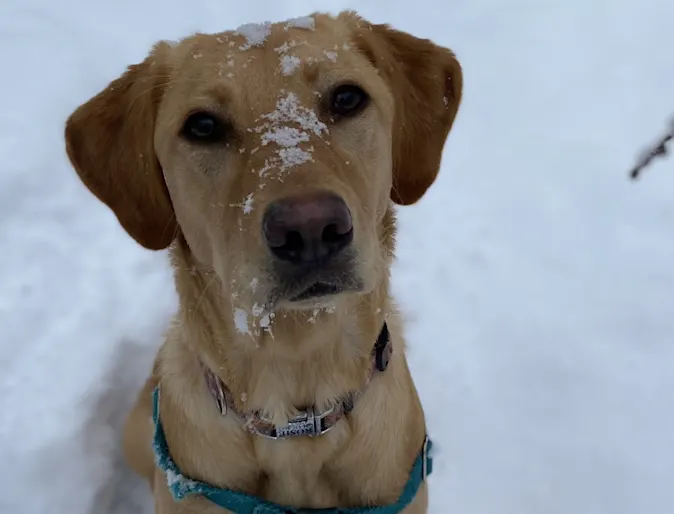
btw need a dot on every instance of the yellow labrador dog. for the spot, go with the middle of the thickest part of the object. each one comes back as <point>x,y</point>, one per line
<point>268,160</point>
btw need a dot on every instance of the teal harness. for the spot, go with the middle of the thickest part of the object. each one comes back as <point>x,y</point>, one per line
<point>242,503</point>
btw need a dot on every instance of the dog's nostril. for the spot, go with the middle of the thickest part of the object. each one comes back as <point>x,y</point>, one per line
<point>332,234</point>
<point>294,241</point>
<point>293,246</point>
<point>286,245</point>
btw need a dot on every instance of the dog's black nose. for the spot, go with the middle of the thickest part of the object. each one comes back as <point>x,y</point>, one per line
<point>307,229</point>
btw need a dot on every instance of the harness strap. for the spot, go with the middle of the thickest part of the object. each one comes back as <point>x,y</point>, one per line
<point>242,503</point>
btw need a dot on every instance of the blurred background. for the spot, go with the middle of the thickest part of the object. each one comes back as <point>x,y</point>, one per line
<point>536,278</point>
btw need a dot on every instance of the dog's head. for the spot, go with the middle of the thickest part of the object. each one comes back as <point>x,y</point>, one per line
<point>275,150</point>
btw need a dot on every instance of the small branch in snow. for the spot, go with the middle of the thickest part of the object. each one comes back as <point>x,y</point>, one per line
<point>659,150</point>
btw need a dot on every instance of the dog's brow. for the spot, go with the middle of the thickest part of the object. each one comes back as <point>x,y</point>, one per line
<point>311,71</point>
<point>219,96</point>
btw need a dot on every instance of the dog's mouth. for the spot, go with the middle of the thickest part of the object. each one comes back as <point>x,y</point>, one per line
<point>316,290</point>
<point>312,287</point>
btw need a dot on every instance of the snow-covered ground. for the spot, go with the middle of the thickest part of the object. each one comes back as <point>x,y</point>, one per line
<point>538,281</point>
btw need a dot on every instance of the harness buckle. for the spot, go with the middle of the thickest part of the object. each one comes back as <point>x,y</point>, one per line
<point>424,459</point>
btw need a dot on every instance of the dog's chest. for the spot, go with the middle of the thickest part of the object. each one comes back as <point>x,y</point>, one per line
<point>299,472</point>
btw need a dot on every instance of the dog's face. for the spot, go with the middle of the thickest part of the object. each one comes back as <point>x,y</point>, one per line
<point>277,159</point>
<point>274,149</point>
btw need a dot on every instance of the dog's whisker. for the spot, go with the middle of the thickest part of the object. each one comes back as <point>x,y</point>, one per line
<point>203,294</point>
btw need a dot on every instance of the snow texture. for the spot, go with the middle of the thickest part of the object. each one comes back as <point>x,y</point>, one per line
<point>303,22</point>
<point>248,204</point>
<point>255,34</point>
<point>289,63</point>
<point>184,484</point>
<point>537,282</point>
<point>289,110</point>
<point>241,320</point>
<point>279,130</point>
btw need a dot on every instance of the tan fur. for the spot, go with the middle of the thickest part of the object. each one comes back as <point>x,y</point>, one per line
<point>166,192</point>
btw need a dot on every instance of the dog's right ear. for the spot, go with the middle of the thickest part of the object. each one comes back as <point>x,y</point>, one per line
<point>426,81</point>
<point>109,141</point>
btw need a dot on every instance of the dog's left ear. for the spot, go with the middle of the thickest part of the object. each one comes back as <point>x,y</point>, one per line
<point>110,143</point>
<point>427,82</point>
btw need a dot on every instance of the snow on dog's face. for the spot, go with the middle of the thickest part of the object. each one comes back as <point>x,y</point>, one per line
<point>275,149</point>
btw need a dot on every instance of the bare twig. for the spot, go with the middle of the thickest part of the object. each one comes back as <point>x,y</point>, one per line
<point>659,150</point>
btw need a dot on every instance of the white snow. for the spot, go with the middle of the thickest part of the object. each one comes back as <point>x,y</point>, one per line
<point>294,157</point>
<point>289,63</point>
<point>289,110</point>
<point>262,319</point>
<point>280,130</point>
<point>255,34</point>
<point>241,320</point>
<point>286,46</point>
<point>284,135</point>
<point>303,22</point>
<point>536,280</point>
<point>257,310</point>
<point>184,484</point>
<point>265,321</point>
<point>248,204</point>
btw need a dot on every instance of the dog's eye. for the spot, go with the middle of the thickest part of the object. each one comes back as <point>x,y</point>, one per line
<point>348,100</point>
<point>202,127</point>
